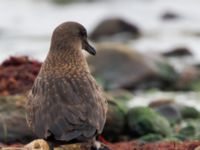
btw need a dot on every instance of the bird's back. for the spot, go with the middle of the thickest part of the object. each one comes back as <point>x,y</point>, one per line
<point>66,108</point>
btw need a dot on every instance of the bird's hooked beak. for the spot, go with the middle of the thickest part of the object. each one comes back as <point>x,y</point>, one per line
<point>88,47</point>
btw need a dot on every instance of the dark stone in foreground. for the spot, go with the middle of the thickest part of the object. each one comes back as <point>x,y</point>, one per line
<point>190,129</point>
<point>177,52</point>
<point>167,108</point>
<point>143,120</point>
<point>13,126</point>
<point>115,122</point>
<point>190,112</point>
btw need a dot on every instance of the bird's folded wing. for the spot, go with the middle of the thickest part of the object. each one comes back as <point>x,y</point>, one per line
<point>65,108</point>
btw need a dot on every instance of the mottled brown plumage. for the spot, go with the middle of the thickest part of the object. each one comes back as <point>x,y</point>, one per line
<point>65,104</point>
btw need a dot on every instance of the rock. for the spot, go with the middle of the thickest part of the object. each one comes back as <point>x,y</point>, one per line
<point>13,126</point>
<point>117,108</point>
<point>190,129</point>
<point>115,29</point>
<point>38,145</point>
<point>144,120</point>
<point>188,79</point>
<point>167,108</point>
<point>166,72</point>
<point>169,16</point>
<point>178,52</point>
<point>119,66</point>
<point>190,112</point>
<point>124,68</point>
<point>115,122</point>
<point>160,102</point>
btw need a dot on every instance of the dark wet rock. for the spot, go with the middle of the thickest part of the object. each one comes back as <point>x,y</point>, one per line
<point>144,120</point>
<point>119,66</point>
<point>115,29</point>
<point>115,122</point>
<point>166,72</point>
<point>13,126</point>
<point>197,65</point>
<point>169,109</point>
<point>177,52</point>
<point>189,112</point>
<point>124,68</point>
<point>188,79</point>
<point>190,128</point>
<point>14,130</point>
<point>170,16</point>
<point>160,102</point>
<point>151,138</point>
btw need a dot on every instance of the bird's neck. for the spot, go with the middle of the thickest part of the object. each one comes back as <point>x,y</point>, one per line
<point>65,61</point>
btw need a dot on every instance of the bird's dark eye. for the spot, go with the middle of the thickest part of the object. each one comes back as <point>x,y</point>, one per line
<point>83,33</point>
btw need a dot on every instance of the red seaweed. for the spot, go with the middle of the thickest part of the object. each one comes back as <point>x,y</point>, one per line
<point>17,75</point>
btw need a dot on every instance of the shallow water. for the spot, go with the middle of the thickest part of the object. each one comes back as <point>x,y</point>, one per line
<point>26,25</point>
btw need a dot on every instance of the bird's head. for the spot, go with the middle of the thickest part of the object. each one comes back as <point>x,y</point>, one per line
<point>71,34</point>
